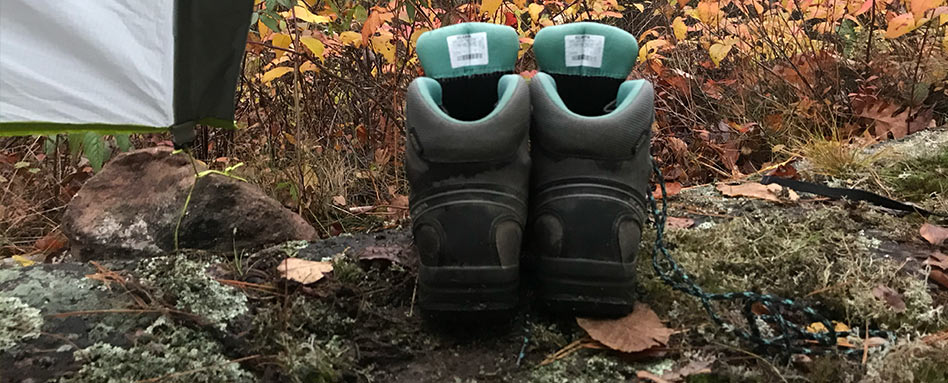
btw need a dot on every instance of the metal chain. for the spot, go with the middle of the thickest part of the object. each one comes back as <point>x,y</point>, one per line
<point>790,338</point>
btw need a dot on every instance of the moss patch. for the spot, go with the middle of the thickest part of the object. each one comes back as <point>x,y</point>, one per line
<point>911,362</point>
<point>919,178</point>
<point>794,252</point>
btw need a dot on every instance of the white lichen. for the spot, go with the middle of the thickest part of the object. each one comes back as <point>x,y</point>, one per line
<point>18,322</point>
<point>192,289</point>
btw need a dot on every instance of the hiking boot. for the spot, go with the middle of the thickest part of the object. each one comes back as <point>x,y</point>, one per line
<point>468,164</point>
<point>590,150</point>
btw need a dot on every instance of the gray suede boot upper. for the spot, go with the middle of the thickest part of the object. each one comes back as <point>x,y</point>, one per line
<point>468,164</point>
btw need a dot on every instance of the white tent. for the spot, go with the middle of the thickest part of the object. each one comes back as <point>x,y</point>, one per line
<point>119,65</point>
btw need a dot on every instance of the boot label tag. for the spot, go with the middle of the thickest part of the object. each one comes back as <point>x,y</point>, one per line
<point>468,50</point>
<point>584,50</point>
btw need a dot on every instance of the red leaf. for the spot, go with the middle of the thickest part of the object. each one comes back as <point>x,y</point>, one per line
<point>510,19</point>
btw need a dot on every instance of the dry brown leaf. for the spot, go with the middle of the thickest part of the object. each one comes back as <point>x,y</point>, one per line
<point>772,192</point>
<point>642,374</point>
<point>679,222</point>
<point>939,260</point>
<point>935,235</point>
<point>339,200</point>
<point>890,297</point>
<point>875,342</point>
<point>694,367</point>
<point>671,188</point>
<point>940,277</point>
<point>303,271</point>
<point>638,331</point>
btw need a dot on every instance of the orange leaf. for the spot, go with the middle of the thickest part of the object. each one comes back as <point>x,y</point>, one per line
<point>919,7</point>
<point>371,25</point>
<point>935,235</point>
<point>679,222</point>
<point>900,25</point>
<point>638,331</point>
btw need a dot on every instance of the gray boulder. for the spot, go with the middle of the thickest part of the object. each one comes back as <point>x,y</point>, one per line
<point>130,209</point>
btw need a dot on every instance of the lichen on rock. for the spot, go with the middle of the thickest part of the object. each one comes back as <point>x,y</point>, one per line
<point>186,283</point>
<point>172,353</point>
<point>18,321</point>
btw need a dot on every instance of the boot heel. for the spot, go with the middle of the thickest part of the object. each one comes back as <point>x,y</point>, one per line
<point>586,287</point>
<point>464,289</point>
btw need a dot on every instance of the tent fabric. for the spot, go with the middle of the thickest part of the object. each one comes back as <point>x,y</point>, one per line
<point>118,66</point>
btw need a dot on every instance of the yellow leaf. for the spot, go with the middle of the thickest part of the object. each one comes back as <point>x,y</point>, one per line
<point>708,12</point>
<point>681,30</point>
<point>23,261</point>
<point>534,9</point>
<point>307,16</point>
<point>281,40</point>
<point>718,52</point>
<point>275,73</point>
<point>383,46</point>
<point>650,48</point>
<point>520,3</point>
<point>416,34</point>
<point>308,67</point>
<point>262,29</point>
<point>311,3</point>
<point>351,38</point>
<point>490,6</point>
<point>314,45</point>
<point>639,6</point>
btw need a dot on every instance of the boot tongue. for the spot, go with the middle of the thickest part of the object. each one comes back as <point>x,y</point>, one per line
<point>468,49</point>
<point>585,49</point>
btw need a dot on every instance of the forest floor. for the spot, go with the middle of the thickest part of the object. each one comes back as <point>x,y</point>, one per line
<point>201,317</point>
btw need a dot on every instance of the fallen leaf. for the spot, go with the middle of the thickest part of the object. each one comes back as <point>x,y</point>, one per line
<point>671,188</point>
<point>938,260</point>
<point>23,261</point>
<point>935,235</point>
<point>875,342</point>
<point>939,277</point>
<point>394,254</point>
<point>51,243</point>
<point>818,327</point>
<point>694,367</point>
<point>303,271</point>
<point>772,192</point>
<point>638,331</point>
<point>679,222</point>
<point>785,171</point>
<point>339,200</point>
<point>890,297</point>
<point>642,374</point>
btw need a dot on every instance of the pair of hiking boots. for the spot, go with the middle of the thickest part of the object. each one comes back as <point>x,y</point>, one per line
<point>557,168</point>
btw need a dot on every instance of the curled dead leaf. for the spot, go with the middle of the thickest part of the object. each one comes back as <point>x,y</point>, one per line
<point>679,222</point>
<point>935,235</point>
<point>940,277</point>
<point>671,188</point>
<point>891,297</point>
<point>939,260</point>
<point>638,331</point>
<point>303,271</point>
<point>772,192</point>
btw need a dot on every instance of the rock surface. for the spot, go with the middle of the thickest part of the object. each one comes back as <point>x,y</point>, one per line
<point>130,209</point>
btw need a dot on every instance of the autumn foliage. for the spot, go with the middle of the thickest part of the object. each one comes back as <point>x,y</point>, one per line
<point>740,85</point>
